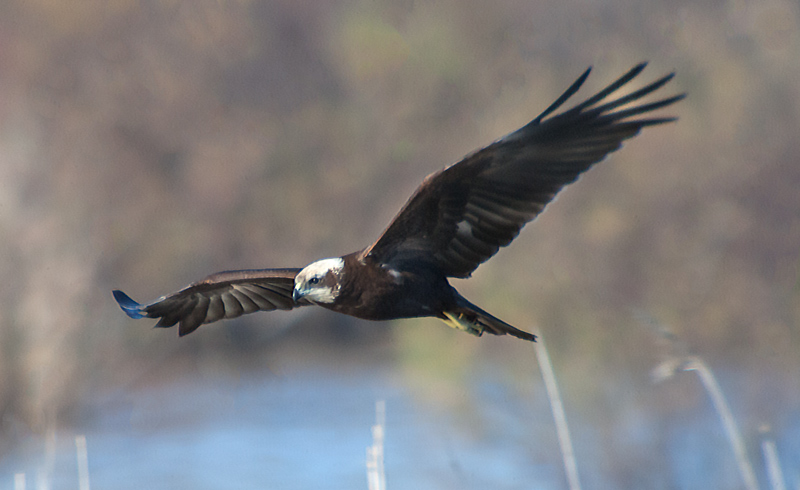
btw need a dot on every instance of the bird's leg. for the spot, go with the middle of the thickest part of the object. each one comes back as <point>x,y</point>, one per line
<point>460,322</point>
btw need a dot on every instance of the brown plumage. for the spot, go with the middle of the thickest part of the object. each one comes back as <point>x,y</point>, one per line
<point>456,220</point>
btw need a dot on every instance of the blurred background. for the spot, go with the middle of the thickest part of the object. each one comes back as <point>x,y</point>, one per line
<point>145,144</point>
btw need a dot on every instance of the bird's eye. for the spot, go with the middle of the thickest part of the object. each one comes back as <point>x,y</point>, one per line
<point>314,280</point>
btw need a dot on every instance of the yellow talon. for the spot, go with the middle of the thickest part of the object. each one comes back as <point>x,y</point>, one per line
<point>459,323</point>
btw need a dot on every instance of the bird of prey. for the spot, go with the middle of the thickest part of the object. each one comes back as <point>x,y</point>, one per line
<point>456,219</point>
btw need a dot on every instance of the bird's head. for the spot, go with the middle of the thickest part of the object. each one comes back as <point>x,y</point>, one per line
<point>319,281</point>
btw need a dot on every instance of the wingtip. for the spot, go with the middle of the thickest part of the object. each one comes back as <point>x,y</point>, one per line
<point>128,305</point>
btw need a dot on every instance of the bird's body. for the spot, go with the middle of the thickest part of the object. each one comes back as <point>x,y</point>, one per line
<point>381,293</point>
<point>457,219</point>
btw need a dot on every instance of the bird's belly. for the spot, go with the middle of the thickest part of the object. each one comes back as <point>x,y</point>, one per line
<point>390,303</point>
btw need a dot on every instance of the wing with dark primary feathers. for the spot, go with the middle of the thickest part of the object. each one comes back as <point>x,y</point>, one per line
<point>223,295</point>
<point>459,217</point>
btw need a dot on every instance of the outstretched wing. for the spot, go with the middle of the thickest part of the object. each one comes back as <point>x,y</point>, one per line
<point>222,295</point>
<point>459,217</point>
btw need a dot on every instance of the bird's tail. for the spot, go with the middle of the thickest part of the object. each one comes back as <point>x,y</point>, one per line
<point>471,319</point>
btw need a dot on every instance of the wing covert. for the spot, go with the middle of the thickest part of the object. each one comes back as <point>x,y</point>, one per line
<point>219,296</point>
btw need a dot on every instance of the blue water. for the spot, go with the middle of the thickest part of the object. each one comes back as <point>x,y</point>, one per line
<point>310,429</point>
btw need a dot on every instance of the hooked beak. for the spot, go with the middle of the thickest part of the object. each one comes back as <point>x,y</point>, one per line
<point>296,295</point>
